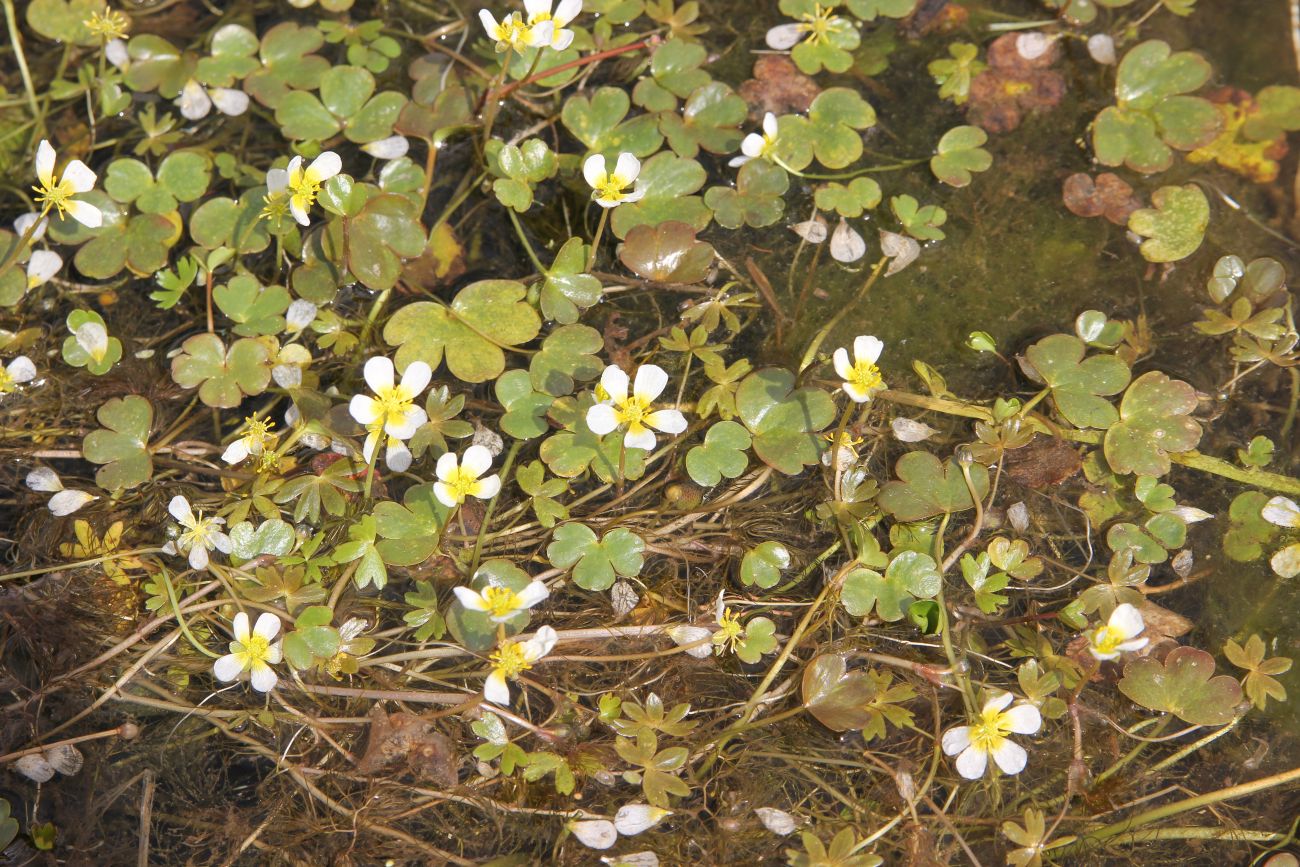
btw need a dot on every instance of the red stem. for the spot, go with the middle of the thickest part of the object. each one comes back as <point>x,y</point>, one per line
<point>581,61</point>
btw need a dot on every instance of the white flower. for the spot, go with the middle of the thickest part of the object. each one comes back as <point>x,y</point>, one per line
<point>611,190</point>
<point>1119,635</point>
<point>255,440</point>
<point>64,502</point>
<point>196,101</point>
<point>57,193</point>
<point>43,265</point>
<point>25,222</point>
<point>115,51</point>
<point>252,652</point>
<point>392,412</point>
<point>512,659</point>
<point>539,12</point>
<point>464,478</point>
<point>18,371</point>
<point>619,408</point>
<point>862,377</point>
<point>501,603</point>
<point>513,33</point>
<point>300,314</point>
<point>817,25</point>
<point>632,819</point>
<point>754,145</point>
<point>303,185</point>
<point>200,535</point>
<point>92,337</point>
<point>973,744</point>
<point>388,148</point>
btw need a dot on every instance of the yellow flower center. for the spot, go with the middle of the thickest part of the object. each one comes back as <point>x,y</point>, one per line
<point>512,32</point>
<point>259,435</point>
<point>304,186</point>
<point>865,375</point>
<point>509,659</point>
<point>253,651</point>
<point>198,536</point>
<point>275,206</point>
<point>462,483</point>
<point>501,601</point>
<point>729,631</point>
<point>7,383</point>
<point>632,412</point>
<point>988,734</point>
<point>394,404</point>
<point>821,24</point>
<point>1106,639</point>
<point>612,189</point>
<point>54,195</point>
<point>107,25</point>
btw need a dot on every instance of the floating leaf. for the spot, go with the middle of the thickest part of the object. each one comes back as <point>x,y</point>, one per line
<point>669,183</point>
<point>927,487</point>
<point>525,409</point>
<point>596,562</point>
<point>123,443</point>
<point>959,153</point>
<point>922,223</point>
<point>831,132</point>
<point>667,253</point>
<point>1079,386</point>
<point>568,353</point>
<point>674,74</point>
<point>599,124</point>
<point>1248,532</point>
<point>223,376</point>
<point>709,121</point>
<point>567,286</point>
<point>288,62</point>
<point>1183,685</point>
<point>1175,227</point>
<point>844,700</point>
<point>784,421</point>
<point>255,309</point>
<point>756,200</point>
<point>763,564</point>
<point>721,454</point>
<point>909,576</point>
<point>848,200</point>
<point>1153,422</point>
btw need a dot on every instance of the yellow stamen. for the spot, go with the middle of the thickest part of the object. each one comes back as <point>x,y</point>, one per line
<point>865,376</point>
<point>510,660</point>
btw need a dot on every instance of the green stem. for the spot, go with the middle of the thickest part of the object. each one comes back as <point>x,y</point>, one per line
<point>811,352</point>
<point>180,619</point>
<point>493,100</point>
<point>16,40</point>
<point>492,504</point>
<point>23,242</point>
<point>528,247</point>
<point>595,241</point>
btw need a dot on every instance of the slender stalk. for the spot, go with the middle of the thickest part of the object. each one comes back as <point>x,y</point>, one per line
<point>16,40</point>
<point>595,241</point>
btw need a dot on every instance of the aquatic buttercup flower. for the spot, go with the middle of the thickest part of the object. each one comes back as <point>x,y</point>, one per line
<point>200,534</point>
<point>1119,634</point>
<point>619,408</point>
<point>539,12</point>
<point>43,265</point>
<point>252,652</point>
<point>92,337</point>
<point>974,744</point>
<point>391,413</point>
<point>862,377</point>
<point>817,27</point>
<point>107,24</point>
<point>56,193</point>
<point>501,603</point>
<point>17,372</point>
<point>303,185</point>
<point>612,190</point>
<point>459,479</point>
<point>65,501</point>
<point>758,145</point>
<point>513,658</point>
<point>257,437</point>
<point>196,101</point>
<point>512,33</point>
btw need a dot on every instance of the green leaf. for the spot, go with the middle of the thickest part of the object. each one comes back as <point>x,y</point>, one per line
<point>1079,386</point>
<point>844,700</point>
<point>927,487</point>
<point>669,182</point>
<point>567,286</point>
<point>223,376</point>
<point>955,73</point>
<point>370,569</point>
<point>288,62</point>
<point>224,222</point>
<point>851,200</point>
<point>1175,227</point>
<point>674,74</point>
<point>763,564</point>
<point>484,317</point>
<point>525,415</point>
<point>831,46</point>
<point>959,153</point>
<point>758,640</point>
<point>922,223</point>
<point>1153,422</point>
<point>1277,111</point>
<point>255,309</point>
<point>909,576</point>
<point>574,450</point>
<point>62,21</point>
<point>234,55</point>
<point>721,454</point>
<point>411,531</point>
<point>75,355</point>
<point>596,563</point>
<point>784,421</point>
<point>568,353</point>
<point>312,639</point>
<point>272,536</point>
<point>832,130</point>
<point>175,283</point>
<point>1248,532</point>
<point>756,199</point>
<point>523,168</point>
<point>8,826</point>
<point>709,120</point>
<point>868,10</point>
<point>1184,686</point>
<point>376,240</point>
<point>424,616</point>
<point>599,124</point>
<point>122,445</point>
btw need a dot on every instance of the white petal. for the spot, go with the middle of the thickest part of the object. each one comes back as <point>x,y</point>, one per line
<point>856,393</point>
<point>446,466</point>
<point>79,176</point>
<point>737,162</point>
<point>299,213</point>
<point>378,374</point>
<point>1024,719</point>
<point>117,53</point>
<point>846,244</point>
<point>1033,45</point>
<point>542,643</point>
<point>627,167</point>
<point>325,166</point>
<point>64,758</point>
<point>639,438</point>
<point>43,265</point>
<point>277,180</point>
<point>868,348</point>
<point>566,11</point>
<point>25,221</point>
<point>1101,48</point>
<point>540,34</point>
<point>683,635</point>
<point>562,39</point>
<point>229,101</point>
<point>1191,514</point>
<point>93,338</point>
<point>390,148</point>
<point>300,314</point>
<point>469,599</point>
<point>85,213</point>
<point>239,627</point>
<point>179,507</point>
<point>593,170</point>
<point>534,593</point>
<point>594,833</point>
<point>44,479</point>
<point>67,502</point>
<point>632,819</point>
<point>1126,620</point>
<point>222,542</point>
<point>783,37</point>
<point>228,668</point>
<point>35,768</point>
<point>634,196</point>
<point>477,460</point>
<point>1281,511</point>
<point>670,421</point>
<point>397,457</point>
<point>602,419</point>
<point>489,23</point>
<point>842,366</point>
<point>770,128</point>
<point>45,162</point>
<point>1130,646</point>
<point>416,377</point>
<point>364,409</point>
<point>752,145</point>
<point>275,653</point>
<point>537,7</point>
<point>971,763</point>
<point>496,690</point>
<point>777,821</point>
<point>650,382</point>
<point>193,101</point>
<point>404,426</point>
<point>21,369</point>
<point>198,558</point>
<point>812,231</point>
<point>235,452</point>
<point>1010,757</point>
<point>998,702</point>
<point>267,626</point>
<point>487,487</point>
<point>955,740</point>
<point>444,495</point>
<point>264,678</point>
<point>909,430</point>
<point>1286,562</point>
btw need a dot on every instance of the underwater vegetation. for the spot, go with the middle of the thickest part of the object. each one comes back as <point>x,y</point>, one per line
<point>635,432</point>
